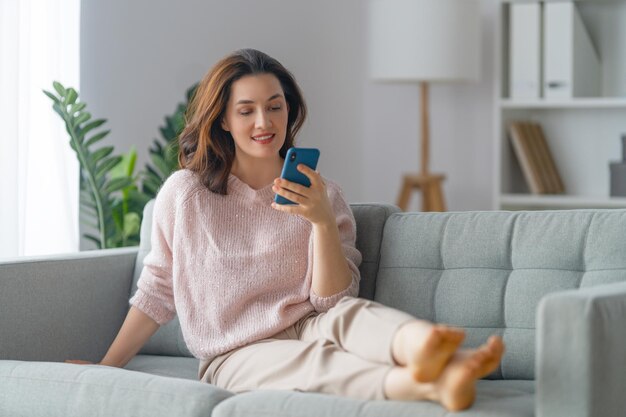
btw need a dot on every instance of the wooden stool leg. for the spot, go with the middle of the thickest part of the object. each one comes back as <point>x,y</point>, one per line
<point>430,186</point>
<point>405,194</point>
<point>427,196</point>
<point>436,197</point>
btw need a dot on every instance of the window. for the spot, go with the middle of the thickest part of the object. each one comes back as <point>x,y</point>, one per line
<point>39,172</point>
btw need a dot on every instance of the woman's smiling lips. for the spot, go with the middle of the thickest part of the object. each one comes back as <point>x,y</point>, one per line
<point>264,138</point>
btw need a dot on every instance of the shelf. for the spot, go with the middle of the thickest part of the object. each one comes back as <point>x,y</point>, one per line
<point>577,103</point>
<point>561,201</point>
<point>583,132</point>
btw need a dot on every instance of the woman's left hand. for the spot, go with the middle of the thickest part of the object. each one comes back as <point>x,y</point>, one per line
<point>311,202</point>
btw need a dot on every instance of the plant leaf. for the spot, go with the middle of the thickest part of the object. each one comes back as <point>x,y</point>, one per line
<point>167,132</point>
<point>126,166</point>
<point>71,96</point>
<point>101,153</point>
<point>57,108</point>
<point>117,184</point>
<point>132,223</point>
<point>160,164</point>
<point>82,117</point>
<point>96,138</point>
<point>52,96</point>
<point>93,239</point>
<point>59,87</point>
<point>96,123</point>
<point>107,165</point>
<point>76,108</point>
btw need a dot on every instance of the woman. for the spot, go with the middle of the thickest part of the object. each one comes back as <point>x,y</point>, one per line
<point>266,293</point>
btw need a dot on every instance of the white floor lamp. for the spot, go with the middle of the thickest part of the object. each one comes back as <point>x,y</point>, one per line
<point>424,41</point>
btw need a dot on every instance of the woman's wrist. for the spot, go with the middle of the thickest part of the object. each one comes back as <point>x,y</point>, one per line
<point>325,225</point>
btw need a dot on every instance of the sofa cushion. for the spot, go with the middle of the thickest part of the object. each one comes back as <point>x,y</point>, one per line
<point>494,398</point>
<point>176,366</point>
<point>487,271</point>
<point>60,389</point>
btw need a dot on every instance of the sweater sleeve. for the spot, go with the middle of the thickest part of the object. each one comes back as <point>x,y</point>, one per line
<point>154,294</point>
<point>347,234</point>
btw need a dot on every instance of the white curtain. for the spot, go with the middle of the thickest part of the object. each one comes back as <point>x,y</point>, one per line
<point>39,172</point>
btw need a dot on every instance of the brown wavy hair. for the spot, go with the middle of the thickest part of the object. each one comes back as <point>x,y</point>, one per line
<point>207,149</point>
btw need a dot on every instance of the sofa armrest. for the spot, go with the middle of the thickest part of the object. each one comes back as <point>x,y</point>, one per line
<point>61,307</point>
<point>581,352</point>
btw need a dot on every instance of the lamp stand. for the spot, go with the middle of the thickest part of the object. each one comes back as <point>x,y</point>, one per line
<point>429,184</point>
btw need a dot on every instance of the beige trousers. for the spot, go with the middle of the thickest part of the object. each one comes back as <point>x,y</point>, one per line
<point>345,351</point>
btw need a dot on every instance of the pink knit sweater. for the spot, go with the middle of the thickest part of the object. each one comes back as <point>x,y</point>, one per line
<point>231,267</point>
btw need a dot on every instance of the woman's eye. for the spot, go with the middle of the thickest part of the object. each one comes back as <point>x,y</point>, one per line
<point>276,108</point>
<point>245,113</point>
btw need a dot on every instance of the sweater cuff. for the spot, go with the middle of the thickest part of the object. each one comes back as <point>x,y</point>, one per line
<point>323,304</point>
<point>152,306</point>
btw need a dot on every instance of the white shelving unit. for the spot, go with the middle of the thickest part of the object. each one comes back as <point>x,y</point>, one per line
<point>584,134</point>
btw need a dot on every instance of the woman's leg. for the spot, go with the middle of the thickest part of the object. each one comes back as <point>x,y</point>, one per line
<point>383,334</point>
<point>318,366</point>
<point>284,363</point>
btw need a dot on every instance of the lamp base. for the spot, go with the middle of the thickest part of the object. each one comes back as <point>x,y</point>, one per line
<point>429,185</point>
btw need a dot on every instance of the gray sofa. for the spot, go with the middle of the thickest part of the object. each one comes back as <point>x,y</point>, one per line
<point>553,284</point>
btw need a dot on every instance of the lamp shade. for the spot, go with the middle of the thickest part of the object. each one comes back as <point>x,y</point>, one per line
<point>424,40</point>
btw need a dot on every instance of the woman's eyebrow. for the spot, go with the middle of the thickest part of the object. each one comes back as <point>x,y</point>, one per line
<point>250,101</point>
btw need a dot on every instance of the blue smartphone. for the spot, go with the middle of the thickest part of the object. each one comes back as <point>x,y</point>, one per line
<point>295,156</point>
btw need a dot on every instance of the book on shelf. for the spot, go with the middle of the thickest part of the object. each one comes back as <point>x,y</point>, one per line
<point>525,51</point>
<point>536,161</point>
<point>572,67</point>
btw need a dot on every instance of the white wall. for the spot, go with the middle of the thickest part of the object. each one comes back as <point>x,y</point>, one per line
<point>139,57</point>
<point>461,134</point>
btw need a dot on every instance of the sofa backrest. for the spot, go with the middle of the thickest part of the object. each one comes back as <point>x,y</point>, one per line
<point>370,220</point>
<point>487,271</point>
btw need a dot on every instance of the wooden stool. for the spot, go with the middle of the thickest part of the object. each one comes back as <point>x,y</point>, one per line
<point>429,185</point>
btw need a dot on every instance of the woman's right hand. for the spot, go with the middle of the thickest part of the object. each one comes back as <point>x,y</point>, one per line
<point>80,362</point>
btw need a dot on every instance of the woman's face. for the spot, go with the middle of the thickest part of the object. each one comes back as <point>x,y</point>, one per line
<point>256,116</point>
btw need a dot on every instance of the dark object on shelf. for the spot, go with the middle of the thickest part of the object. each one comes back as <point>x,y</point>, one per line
<point>618,173</point>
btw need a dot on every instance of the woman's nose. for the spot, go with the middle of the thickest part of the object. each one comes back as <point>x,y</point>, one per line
<point>263,119</point>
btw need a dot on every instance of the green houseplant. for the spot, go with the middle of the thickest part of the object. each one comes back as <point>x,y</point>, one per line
<point>164,153</point>
<point>109,190</point>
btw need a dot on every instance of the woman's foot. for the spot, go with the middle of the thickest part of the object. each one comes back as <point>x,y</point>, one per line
<point>456,388</point>
<point>425,348</point>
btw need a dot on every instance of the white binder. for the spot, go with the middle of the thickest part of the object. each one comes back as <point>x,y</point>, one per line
<point>525,50</point>
<point>571,63</point>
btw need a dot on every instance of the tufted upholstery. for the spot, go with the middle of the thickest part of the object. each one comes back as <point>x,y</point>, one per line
<point>487,271</point>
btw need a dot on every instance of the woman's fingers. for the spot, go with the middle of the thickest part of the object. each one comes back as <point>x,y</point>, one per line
<point>312,175</point>
<point>78,362</point>
<point>291,186</point>
<point>290,195</point>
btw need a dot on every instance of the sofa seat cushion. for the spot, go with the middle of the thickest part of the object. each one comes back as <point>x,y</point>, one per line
<point>175,366</point>
<point>503,398</point>
<point>68,390</point>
